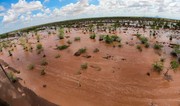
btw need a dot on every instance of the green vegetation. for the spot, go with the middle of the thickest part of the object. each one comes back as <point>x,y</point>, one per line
<point>62,47</point>
<point>146,45</point>
<point>157,46</point>
<point>158,66</point>
<point>174,64</point>
<point>96,50</point>
<point>43,72</point>
<point>10,54</point>
<point>143,40</point>
<point>84,66</point>
<point>176,50</point>
<point>77,39</point>
<point>39,46</point>
<point>139,48</point>
<point>12,77</point>
<point>31,66</point>
<point>101,37</point>
<point>138,35</point>
<point>92,36</point>
<point>108,39</point>
<point>58,56</point>
<point>80,51</point>
<point>61,33</point>
<point>69,42</point>
<point>44,62</point>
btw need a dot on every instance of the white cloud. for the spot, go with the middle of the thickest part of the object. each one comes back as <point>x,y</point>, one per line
<point>19,9</point>
<point>46,1</point>
<point>2,8</point>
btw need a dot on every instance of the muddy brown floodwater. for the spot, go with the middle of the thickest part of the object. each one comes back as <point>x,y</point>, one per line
<point>120,80</point>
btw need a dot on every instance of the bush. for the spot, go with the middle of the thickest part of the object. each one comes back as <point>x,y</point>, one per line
<point>143,40</point>
<point>44,62</point>
<point>108,39</point>
<point>58,56</point>
<point>92,36</point>
<point>96,50</point>
<point>61,33</point>
<point>84,66</point>
<point>157,46</point>
<point>69,42</point>
<point>31,67</point>
<point>39,46</point>
<point>62,47</point>
<point>101,37</point>
<point>80,51</point>
<point>158,66</point>
<point>43,72</point>
<point>139,48</point>
<point>174,65</point>
<point>77,39</point>
<point>10,54</point>
<point>146,45</point>
<point>116,38</point>
<point>12,77</point>
<point>138,35</point>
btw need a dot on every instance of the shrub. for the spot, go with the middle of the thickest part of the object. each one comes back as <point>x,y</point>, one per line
<point>139,48</point>
<point>146,45</point>
<point>96,50</point>
<point>69,42</point>
<point>143,40</point>
<point>43,72</point>
<point>116,38</point>
<point>62,47</point>
<point>77,39</point>
<point>31,67</point>
<point>84,66</point>
<point>157,46</point>
<point>39,46</point>
<point>12,77</point>
<point>80,51</point>
<point>108,39</point>
<point>10,54</point>
<point>44,62</point>
<point>101,37</point>
<point>58,56</point>
<point>61,33</point>
<point>174,64</point>
<point>158,66</point>
<point>138,35</point>
<point>92,36</point>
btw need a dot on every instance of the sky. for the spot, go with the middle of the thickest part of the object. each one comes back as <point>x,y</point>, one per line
<point>17,14</point>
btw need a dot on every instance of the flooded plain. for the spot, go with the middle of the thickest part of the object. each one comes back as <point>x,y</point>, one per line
<point>119,80</point>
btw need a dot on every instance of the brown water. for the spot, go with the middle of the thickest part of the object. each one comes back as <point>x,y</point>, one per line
<point>119,83</point>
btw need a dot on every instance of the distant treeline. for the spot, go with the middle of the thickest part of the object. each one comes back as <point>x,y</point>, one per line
<point>159,22</point>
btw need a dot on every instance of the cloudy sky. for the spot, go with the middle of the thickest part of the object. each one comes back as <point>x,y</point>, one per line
<point>15,14</point>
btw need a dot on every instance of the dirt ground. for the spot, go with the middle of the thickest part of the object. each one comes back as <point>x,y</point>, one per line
<point>120,80</point>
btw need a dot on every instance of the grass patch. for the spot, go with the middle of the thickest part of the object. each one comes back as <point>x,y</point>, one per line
<point>84,66</point>
<point>80,51</point>
<point>77,39</point>
<point>157,46</point>
<point>69,42</point>
<point>31,66</point>
<point>96,50</point>
<point>139,48</point>
<point>61,33</point>
<point>158,66</point>
<point>44,62</point>
<point>62,47</point>
<point>58,56</point>
<point>12,77</point>
<point>174,65</point>
<point>39,46</point>
<point>92,36</point>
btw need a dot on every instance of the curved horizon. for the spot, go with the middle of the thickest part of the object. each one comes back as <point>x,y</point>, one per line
<point>18,14</point>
